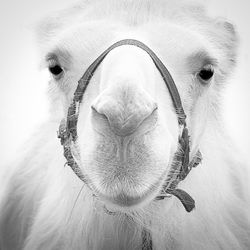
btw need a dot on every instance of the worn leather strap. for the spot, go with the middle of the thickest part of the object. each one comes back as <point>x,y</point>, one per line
<point>68,130</point>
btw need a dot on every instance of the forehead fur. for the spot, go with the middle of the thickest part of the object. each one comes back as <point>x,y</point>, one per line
<point>133,13</point>
<point>130,12</point>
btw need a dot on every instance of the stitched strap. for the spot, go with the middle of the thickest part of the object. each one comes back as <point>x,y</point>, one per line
<point>147,243</point>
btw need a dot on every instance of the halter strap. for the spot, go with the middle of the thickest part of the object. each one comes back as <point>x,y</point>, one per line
<point>182,164</point>
<point>68,129</point>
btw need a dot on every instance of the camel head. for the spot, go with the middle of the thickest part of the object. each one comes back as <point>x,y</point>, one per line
<point>127,129</point>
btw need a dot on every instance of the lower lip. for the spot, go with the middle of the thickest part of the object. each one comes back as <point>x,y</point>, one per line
<point>123,200</point>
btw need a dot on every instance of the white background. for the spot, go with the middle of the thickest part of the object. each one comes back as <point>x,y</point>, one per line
<point>22,88</point>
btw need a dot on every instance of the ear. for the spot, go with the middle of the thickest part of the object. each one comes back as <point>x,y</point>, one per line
<point>51,26</point>
<point>47,28</point>
<point>225,38</point>
<point>228,39</point>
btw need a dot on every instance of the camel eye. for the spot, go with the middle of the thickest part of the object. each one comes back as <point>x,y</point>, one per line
<point>55,69</point>
<point>206,73</point>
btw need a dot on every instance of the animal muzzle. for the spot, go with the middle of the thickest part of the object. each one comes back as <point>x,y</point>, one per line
<point>124,108</point>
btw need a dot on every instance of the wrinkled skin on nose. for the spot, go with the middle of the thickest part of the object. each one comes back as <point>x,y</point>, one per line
<point>125,101</point>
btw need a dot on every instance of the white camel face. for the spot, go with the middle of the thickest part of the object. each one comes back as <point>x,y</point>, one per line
<point>127,128</point>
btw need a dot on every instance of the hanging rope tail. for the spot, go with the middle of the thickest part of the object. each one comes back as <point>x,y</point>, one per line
<point>178,172</point>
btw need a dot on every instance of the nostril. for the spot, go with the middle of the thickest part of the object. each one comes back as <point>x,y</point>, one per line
<point>154,106</point>
<point>123,116</point>
<point>104,105</point>
<point>97,114</point>
<point>93,108</point>
<point>124,123</point>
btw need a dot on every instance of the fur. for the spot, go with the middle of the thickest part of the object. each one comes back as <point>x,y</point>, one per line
<point>45,206</point>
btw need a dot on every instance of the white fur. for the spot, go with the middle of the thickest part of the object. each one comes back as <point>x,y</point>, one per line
<point>47,207</point>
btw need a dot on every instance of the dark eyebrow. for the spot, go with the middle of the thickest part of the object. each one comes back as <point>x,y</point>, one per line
<point>50,56</point>
<point>199,59</point>
<point>61,56</point>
